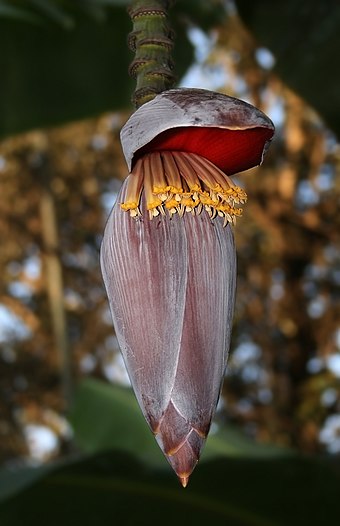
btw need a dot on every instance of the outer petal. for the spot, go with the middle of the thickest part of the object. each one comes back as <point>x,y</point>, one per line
<point>208,316</point>
<point>199,108</point>
<point>205,340</point>
<point>144,269</point>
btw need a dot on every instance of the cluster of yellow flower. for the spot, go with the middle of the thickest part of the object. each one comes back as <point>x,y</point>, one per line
<point>180,182</point>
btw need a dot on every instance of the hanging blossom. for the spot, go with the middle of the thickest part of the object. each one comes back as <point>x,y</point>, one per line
<point>168,257</point>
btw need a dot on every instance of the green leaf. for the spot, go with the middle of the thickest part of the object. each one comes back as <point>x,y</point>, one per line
<point>51,75</point>
<point>13,480</point>
<point>231,442</point>
<point>114,488</point>
<point>304,38</point>
<point>107,416</point>
<point>54,12</point>
<point>239,483</point>
<point>17,13</point>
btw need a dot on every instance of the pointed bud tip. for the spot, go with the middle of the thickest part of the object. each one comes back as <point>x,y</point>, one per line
<point>183,480</point>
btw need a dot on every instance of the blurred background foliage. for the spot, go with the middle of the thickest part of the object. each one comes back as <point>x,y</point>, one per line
<point>67,59</point>
<point>272,457</point>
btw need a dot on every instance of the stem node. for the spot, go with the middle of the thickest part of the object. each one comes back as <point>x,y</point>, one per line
<point>152,40</point>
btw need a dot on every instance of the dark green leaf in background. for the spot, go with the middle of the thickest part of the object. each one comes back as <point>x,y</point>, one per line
<point>10,11</point>
<point>63,60</point>
<point>107,416</point>
<point>51,75</point>
<point>114,488</point>
<point>238,483</point>
<point>74,63</point>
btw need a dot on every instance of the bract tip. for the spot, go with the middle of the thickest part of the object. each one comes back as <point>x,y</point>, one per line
<point>184,481</point>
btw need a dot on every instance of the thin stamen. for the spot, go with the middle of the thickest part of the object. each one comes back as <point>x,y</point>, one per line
<point>152,201</point>
<point>160,186</point>
<point>225,187</point>
<point>188,174</point>
<point>134,189</point>
<point>172,173</point>
<point>180,182</point>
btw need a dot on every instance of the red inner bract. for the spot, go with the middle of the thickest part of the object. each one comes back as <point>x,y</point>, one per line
<point>230,150</point>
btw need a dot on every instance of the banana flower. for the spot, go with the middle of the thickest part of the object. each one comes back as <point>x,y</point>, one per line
<point>168,257</point>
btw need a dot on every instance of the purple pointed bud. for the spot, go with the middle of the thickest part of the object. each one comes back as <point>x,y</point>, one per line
<point>169,264</point>
<point>171,287</point>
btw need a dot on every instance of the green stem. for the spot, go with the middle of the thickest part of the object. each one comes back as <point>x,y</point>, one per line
<point>152,40</point>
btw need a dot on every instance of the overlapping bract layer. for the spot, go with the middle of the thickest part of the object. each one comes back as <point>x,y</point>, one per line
<point>171,287</point>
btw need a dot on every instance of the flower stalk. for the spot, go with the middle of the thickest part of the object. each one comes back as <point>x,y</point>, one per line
<point>152,40</point>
